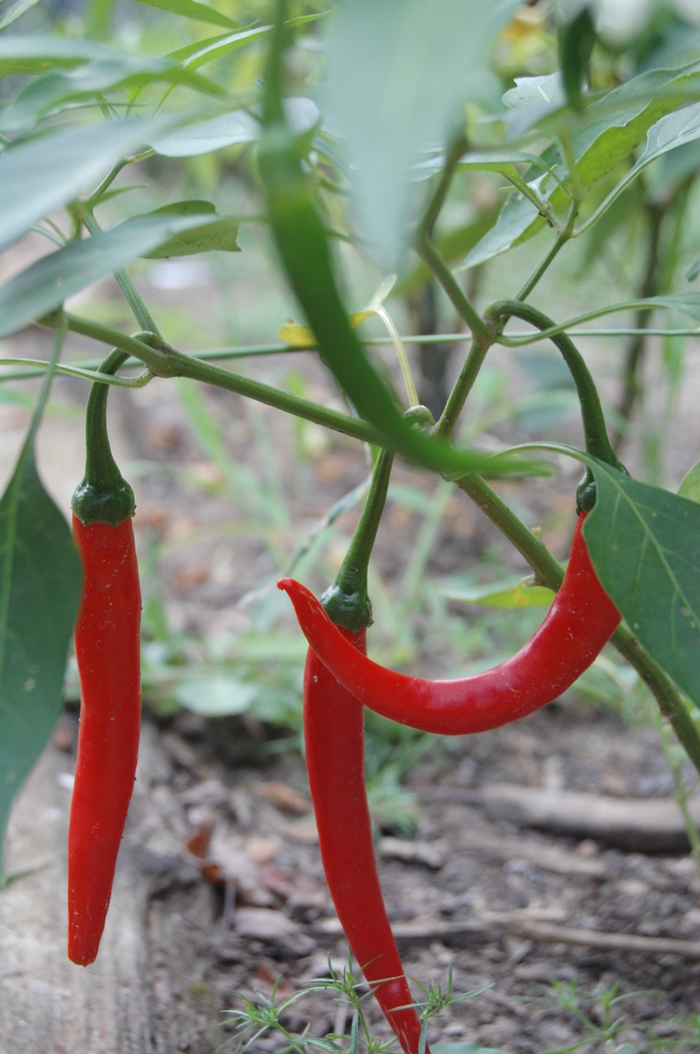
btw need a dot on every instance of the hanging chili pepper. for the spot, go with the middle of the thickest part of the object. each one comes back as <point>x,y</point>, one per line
<point>107,648</point>
<point>335,760</point>
<point>579,623</point>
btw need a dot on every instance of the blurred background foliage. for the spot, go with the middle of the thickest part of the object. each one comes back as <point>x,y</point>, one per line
<point>440,605</point>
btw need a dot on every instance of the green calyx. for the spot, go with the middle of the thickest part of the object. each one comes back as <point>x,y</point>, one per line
<point>103,496</point>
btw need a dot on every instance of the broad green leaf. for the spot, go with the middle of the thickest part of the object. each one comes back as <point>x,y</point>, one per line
<point>216,696</point>
<point>232,129</point>
<point>397,74</point>
<point>44,286</point>
<point>686,303</point>
<point>44,95</point>
<point>218,234</point>
<point>15,12</point>
<point>206,136</point>
<point>514,593</point>
<point>535,92</point>
<point>690,484</point>
<point>39,593</point>
<point>645,545</point>
<point>31,187</point>
<point>608,132</point>
<point>191,9</point>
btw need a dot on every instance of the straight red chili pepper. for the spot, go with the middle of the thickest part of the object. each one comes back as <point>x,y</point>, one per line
<point>107,648</point>
<point>579,623</point>
<point>335,760</point>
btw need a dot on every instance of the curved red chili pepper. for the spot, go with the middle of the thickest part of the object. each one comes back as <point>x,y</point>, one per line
<point>579,623</point>
<point>335,759</point>
<point>107,648</point>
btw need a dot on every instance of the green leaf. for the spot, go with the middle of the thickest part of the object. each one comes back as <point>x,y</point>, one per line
<point>46,94</point>
<point>32,187</point>
<point>15,12</point>
<point>219,235</point>
<point>203,51</point>
<point>607,133</point>
<point>27,54</point>
<point>397,74</point>
<point>44,286</point>
<point>514,593</point>
<point>645,545</point>
<point>690,484</point>
<point>576,40</point>
<point>206,136</point>
<point>685,303</point>
<point>216,696</point>
<point>191,9</point>
<point>39,592</point>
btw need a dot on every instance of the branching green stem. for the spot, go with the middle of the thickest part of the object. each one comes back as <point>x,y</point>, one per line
<point>164,361</point>
<point>432,257</point>
<point>562,238</point>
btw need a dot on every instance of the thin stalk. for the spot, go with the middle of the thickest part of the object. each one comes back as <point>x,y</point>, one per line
<point>462,387</point>
<point>636,349</point>
<point>71,371</point>
<point>409,383</point>
<point>562,238</point>
<point>131,293</point>
<point>597,441</point>
<point>549,572</point>
<point>164,361</point>
<point>432,257</point>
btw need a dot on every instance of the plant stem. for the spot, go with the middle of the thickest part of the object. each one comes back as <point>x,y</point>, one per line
<point>164,361</point>
<point>432,256</point>
<point>562,238</point>
<point>549,573</point>
<point>636,348</point>
<point>131,293</point>
<point>462,386</point>
<point>597,441</point>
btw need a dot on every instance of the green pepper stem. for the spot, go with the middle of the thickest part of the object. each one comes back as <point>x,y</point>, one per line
<point>103,496</point>
<point>347,602</point>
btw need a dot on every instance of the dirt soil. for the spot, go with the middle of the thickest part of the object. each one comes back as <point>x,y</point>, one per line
<point>494,900</point>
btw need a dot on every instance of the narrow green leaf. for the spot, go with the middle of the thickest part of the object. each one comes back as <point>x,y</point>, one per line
<point>397,74</point>
<point>685,303</point>
<point>218,235</point>
<point>44,286</point>
<point>576,40</point>
<point>514,593</point>
<point>15,12</point>
<point>44,95</point>
<point>191,9</point>
<point>33,53</point>
<point>31,188</point>
<point>690,484</point>
<point>645,545</point>
<point>203,51</point>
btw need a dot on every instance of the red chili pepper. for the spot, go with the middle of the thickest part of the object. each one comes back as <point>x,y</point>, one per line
<point>579,623</point>
<point>335,759</point>
<point>107,648</point>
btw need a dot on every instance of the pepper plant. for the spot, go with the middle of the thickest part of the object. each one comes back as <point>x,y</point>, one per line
<point>409,105</point>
